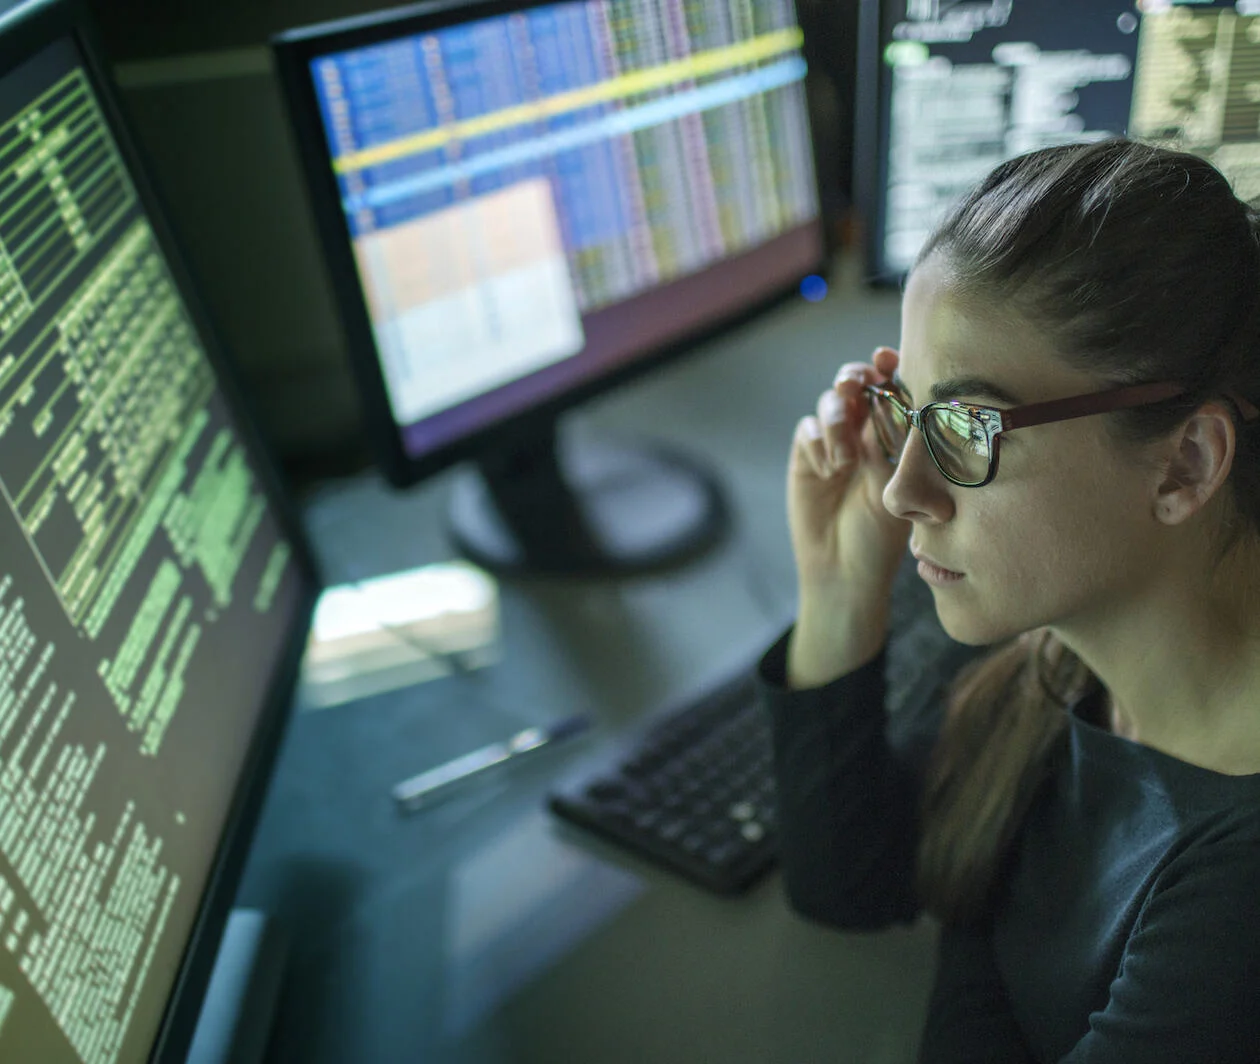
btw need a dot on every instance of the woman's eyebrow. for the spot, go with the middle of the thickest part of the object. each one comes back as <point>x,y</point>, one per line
<point>972,387</point>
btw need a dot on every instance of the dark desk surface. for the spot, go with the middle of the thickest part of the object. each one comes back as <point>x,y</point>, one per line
<point>483,930</point>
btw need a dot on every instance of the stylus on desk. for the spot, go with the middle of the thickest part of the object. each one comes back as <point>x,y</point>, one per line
<point>428,787</point>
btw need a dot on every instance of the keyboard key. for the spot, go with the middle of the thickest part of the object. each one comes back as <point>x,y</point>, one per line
<point>695,843</point>
<point>753,831</point>
<point>648,819</point>
<point>672,829</point>
<point>723,853</point>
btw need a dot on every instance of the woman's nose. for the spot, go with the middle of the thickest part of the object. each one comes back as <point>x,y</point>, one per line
<point>918,490</point>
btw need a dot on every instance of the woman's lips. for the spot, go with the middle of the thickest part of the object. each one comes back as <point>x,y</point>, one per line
<point>935,564</point>
<point>936,574</point>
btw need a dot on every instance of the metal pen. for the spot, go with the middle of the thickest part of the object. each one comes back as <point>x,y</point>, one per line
<point>436,783</point>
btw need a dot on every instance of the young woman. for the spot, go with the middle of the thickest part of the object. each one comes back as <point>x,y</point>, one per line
<point>1068,439</point>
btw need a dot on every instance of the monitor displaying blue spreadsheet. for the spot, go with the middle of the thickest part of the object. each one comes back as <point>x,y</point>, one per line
<point>534,196</point>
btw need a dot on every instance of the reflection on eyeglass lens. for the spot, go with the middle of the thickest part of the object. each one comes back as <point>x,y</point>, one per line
<point>959,443</point>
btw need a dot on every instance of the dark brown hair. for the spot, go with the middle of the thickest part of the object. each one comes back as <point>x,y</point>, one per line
<point>1143,266</point>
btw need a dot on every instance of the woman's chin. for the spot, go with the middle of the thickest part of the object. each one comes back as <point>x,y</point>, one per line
<point>973,629</point>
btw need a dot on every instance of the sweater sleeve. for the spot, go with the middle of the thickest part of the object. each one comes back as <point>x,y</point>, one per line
<point>1188,987</point>
<point>847,803</point>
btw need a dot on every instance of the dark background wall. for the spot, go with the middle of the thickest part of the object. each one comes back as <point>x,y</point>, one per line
<point>198,84</point>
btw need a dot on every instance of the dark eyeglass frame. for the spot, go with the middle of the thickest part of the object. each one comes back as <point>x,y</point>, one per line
<point>995,421</point>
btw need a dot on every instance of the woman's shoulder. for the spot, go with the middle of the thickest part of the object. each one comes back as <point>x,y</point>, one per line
<point>1229,833</point>
<point>1212,878</point>
<point>1215,849</point>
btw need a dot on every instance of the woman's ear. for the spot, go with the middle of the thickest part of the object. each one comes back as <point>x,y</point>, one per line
<point>1197,461</point>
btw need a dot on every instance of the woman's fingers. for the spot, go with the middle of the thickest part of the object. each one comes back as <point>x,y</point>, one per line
<point>854,376</point>
<point>885,360</point>
<point>832,438</point>
<point>834,413</point>
<point>811,447</point>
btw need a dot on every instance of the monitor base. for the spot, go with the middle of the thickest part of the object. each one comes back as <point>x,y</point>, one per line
<point>545,508</point>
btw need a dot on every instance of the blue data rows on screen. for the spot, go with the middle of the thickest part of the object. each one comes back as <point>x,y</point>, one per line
<point>455,75</point>
<point>521,152</point>
<point>670,134</point>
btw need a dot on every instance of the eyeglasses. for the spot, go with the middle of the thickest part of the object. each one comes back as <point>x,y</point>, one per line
<point>963,439</point>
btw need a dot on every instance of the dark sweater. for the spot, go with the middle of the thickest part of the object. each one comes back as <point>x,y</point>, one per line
<point>1127,929</point>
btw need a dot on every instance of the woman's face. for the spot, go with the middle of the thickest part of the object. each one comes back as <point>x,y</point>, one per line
<point>1065,534</point>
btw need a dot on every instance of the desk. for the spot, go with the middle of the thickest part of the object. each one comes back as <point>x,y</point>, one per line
<point>485,931</point>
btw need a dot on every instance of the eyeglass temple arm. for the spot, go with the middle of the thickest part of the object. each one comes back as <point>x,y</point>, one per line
<point>1101,402</point>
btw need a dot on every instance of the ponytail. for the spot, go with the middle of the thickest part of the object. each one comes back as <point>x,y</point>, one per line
<point>1004,726</point>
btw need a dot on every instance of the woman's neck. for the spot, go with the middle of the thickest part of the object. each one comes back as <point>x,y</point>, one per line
<point>1181,669</point>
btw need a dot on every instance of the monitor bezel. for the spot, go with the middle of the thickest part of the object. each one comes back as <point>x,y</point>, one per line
<point>293,51</point>
<point>869,175</point>
<point>871,136</point>
<point>25,30</point>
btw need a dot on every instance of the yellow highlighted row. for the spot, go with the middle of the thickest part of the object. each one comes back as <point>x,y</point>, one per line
<point>694,66</point>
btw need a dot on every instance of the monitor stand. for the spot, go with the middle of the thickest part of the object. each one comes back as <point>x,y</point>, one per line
<point>536,505</point>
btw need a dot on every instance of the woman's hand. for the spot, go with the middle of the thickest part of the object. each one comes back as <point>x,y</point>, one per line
<point>847,545</point>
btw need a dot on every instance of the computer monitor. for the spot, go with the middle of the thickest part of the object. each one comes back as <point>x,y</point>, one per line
<point>154,593</point>
<point>523,204</point>
<point>955,88</point>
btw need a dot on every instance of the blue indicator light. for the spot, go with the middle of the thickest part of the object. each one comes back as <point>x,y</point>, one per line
<point>814,288</point>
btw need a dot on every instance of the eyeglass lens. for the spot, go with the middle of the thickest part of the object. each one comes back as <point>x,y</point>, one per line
<point>956,440</point>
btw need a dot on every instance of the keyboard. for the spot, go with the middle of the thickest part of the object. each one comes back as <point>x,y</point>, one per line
<point>692,791</point>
